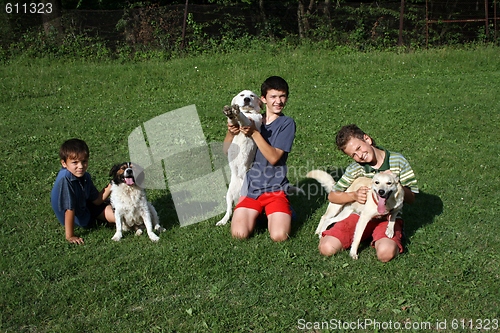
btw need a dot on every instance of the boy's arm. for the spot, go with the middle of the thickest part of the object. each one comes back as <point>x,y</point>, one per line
<point>409,195</point>
<point>103,195</point>
<point>340,198</point>
<point>338,194</point>
<point>232,131</point>
<point>69,227</point>
<point>272,154</point>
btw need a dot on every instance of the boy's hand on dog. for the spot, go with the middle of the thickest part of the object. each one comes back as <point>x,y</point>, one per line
<point>361,194</point>
<point>248,130</point>
<point>233,129</point>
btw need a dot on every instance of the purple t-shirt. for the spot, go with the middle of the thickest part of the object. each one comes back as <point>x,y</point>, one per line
<point>263,177</point>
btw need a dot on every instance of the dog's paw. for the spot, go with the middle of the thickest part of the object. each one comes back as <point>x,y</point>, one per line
<point>235,109</point>
<point>138,232</point>
<point>117,237</point>
<point>221,222</point>
<point>159,228</point>
<point>228,111</point>
<point>353,255</point>
<point>153,237</point>
<point>389,233</point>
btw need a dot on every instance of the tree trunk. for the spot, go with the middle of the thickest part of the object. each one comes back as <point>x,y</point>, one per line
<point>300,19</point>
<point>52,18</point>
<point>303,17</point>
<point>326,13</point>
<point>401,17</point>
<point>265,21</point>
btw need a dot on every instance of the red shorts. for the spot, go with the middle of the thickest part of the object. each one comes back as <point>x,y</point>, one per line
<point>344,231</point>
<point>271,202</point>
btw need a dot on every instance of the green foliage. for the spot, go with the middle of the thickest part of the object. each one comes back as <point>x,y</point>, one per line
<point>149,30</point>
<point>36,44</point>
<point>431,105</point>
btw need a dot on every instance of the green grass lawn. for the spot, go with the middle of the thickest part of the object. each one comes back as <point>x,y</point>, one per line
<point>440,108</point>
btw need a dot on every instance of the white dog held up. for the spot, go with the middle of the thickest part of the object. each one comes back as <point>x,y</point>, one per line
<point>244,106</point>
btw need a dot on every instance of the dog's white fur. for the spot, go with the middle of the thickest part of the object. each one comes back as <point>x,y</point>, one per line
<point>384,186</point>
<point>131,208</point>
<point>244,106</point>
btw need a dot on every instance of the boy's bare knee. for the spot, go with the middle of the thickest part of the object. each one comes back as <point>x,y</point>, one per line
<point>327,248</point>
<point>385,257</point>
<point>386,250</point>
<point>239,234</point>
<point>279,226</point>
<point>279,236</point>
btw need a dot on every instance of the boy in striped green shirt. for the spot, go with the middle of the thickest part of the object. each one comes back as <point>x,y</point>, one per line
<point>369,159</point>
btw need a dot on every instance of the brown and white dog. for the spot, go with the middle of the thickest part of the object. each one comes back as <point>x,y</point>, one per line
<point>130,205</point>
<point>244,106</point>
<point>385,198</point>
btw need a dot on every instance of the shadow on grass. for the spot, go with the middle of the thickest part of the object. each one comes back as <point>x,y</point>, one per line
<point>422,212</point>
<point>165,208</point>
<point>303,206</point>
<point>315,197</point>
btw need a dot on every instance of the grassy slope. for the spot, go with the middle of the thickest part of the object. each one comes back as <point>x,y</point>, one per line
<point>439,108</point>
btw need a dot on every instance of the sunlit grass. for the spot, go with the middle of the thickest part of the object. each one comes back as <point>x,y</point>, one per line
<point>439,108</point>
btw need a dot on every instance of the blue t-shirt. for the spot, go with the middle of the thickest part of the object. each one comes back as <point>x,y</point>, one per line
<point>263,177</point>
<point>70,192</point>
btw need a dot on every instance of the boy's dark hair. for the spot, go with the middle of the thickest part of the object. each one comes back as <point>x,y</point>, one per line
<point>348,132</point>
<point>276,83</point>
<point>74,148</point>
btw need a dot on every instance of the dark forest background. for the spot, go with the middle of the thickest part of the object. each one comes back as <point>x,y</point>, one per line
<point>110,27</point>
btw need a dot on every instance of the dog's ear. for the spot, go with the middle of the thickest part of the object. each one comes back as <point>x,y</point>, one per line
<point>396,178</point>
<point>114,169</point>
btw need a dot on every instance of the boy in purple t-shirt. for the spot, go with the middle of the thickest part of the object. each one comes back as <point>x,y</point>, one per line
<point>266,183</point>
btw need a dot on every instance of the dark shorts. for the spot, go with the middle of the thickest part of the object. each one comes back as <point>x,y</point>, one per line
<point>95,211</point>
<point>344,231</point>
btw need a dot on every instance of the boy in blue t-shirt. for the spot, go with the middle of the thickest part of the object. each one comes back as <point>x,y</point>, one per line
<point>266,183</point>
<point>74,198</point>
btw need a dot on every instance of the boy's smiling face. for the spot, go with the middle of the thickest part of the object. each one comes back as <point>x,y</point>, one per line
<point>275,101</point>
<point>76,165</point>
<point>361,150</point>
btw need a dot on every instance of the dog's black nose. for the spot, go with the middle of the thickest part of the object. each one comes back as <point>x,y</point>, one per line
<point>128,172</point>
<point>247,100</point>
<point>381,192</point>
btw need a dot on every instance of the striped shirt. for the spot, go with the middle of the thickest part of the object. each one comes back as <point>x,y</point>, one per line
<point>393,161</point>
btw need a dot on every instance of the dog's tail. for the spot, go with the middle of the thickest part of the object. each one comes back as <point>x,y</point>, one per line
<point>294,190</point>
<point>324,178</point>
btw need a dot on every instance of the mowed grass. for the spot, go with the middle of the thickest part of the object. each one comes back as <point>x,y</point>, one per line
<point>440,108</point>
